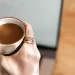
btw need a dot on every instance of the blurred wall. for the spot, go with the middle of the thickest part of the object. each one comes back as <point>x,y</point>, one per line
<point>43,15</point>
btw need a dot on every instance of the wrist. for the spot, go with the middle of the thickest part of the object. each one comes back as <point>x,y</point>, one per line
<point>30,70</point>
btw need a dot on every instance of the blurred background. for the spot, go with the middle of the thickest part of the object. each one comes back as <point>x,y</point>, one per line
<point>45,18</point>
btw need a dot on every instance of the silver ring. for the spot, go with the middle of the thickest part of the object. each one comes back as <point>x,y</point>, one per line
<point>29,40</point>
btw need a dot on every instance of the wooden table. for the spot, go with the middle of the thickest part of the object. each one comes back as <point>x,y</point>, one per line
<point>65,58</point>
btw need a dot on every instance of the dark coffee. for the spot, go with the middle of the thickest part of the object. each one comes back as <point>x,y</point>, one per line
<point>10,33</point>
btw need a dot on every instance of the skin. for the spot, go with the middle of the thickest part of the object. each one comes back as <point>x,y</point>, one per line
<point>25,61</point>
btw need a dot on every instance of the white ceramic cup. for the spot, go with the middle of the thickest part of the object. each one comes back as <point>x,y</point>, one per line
<point>9,48</point>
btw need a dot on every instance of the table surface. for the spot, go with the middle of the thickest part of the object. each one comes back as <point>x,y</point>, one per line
<point>65,57</point>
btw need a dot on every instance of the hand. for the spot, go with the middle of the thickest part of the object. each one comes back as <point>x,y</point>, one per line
<point>26,60</point>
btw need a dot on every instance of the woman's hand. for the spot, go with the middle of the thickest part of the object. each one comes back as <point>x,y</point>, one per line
<point>26,60</point>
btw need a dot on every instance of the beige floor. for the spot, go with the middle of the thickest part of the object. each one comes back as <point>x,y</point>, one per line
<point>65,58</point>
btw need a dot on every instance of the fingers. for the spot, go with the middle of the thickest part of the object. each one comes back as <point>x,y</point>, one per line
<point>29,31</point>
<point>29,34</point>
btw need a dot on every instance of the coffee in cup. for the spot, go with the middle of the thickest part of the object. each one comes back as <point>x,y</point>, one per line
<point>12,33</point>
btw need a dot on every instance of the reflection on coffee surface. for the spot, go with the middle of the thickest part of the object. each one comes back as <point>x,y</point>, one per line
<point>10,33</point>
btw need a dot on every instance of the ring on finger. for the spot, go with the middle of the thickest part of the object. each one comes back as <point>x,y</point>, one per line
<point>29,40</point>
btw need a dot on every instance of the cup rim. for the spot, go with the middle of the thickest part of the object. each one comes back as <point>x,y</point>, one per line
<point>23,34</point>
